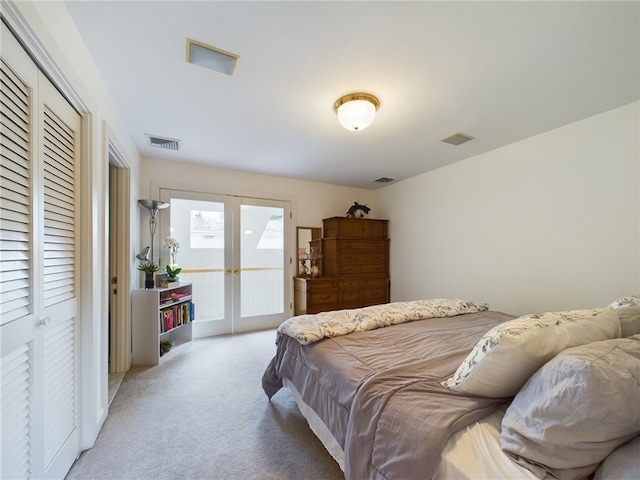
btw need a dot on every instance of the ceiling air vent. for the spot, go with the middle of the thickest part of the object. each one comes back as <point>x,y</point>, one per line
<point>213,58</point>
<point>161,142</point>
<point>457,139</point>
<point>384,180</point>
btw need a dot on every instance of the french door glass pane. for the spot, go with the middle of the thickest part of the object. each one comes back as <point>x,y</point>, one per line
<point>261,260</point>
<point>198,226</point>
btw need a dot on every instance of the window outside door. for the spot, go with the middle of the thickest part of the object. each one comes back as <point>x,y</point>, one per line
<point>235,251</point>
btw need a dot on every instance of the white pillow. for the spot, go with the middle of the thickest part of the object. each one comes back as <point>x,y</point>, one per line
<point>508,354</point>
<point>623,463</point>
<point>576,410</point>
<point>628,310</point>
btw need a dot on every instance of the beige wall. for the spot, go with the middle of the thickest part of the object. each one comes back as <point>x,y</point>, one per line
<point>551,222</point>
<point>311,202</point>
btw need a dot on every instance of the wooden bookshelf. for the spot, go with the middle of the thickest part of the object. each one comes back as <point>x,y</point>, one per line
<point>161,317</point>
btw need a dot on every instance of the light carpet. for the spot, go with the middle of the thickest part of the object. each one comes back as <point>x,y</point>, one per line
<point>202,414</point>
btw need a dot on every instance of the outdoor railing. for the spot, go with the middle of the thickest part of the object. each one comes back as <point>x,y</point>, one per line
<point>261,291</point>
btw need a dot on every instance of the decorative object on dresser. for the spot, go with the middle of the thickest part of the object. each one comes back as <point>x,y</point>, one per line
<point>358,211</point>
<point>304,237</point>
<point>355,267</point>
<point>315,257</point>
<point>303,256</point>
<point>162,320</point>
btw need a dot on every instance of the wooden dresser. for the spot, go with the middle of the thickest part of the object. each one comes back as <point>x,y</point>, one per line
<point>355,267</point>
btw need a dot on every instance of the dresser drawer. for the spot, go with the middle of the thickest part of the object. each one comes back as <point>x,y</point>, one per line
<point>351,245</point>
<point>375,291</point>
<point>322,286</point>
<point>375,282</point>
<point>363,268</point>
<point>350,298</point>
<point>324,298</point>
<point>354,227</point>
<point>374,297</point>
<point>363,257</point>
<point>350,284</point>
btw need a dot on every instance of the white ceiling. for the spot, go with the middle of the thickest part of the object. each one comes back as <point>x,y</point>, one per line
<point>499,71</point>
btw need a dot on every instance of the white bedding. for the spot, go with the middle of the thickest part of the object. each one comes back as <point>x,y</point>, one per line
<point>474,453</point>
<point>480,440</point>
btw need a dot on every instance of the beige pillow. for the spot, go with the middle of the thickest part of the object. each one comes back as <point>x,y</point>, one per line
<point>576,410</point>
<point>508,354</point>
<point>628,310</point>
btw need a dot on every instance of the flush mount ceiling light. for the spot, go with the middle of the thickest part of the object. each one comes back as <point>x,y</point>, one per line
<point>356,110</point>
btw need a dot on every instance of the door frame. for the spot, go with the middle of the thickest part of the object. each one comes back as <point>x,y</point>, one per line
<point>290,263</point>
<point>120,258</point>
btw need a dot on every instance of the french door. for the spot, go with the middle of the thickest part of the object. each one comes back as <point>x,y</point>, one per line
<point>235,252</point>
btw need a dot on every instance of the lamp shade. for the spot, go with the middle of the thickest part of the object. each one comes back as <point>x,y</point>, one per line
<point>356,111</point>
<point>144,254</point>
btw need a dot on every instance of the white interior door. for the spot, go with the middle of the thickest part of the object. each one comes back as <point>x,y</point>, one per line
<point>39,265</point>
<point>235,252</point>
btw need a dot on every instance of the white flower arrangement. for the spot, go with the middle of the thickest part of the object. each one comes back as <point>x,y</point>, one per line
<point>173,246</point>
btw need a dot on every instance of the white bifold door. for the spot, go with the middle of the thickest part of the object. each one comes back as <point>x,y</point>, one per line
<point>39,147</point>
<point>235,252</point>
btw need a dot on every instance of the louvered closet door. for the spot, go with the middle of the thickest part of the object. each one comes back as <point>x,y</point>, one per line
<point>39,142</point>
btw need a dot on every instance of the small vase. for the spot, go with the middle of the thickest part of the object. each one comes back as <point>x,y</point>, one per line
<point>148,280</point>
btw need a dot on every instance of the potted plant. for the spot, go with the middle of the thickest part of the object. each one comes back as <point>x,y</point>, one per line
<point>149,268</point>
<point>358,211</point>
<point>172,275</point>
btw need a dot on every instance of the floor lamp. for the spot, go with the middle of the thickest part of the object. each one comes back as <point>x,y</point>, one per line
<point>154,206</point>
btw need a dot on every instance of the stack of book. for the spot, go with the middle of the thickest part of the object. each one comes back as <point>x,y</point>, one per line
<point>176,316</point>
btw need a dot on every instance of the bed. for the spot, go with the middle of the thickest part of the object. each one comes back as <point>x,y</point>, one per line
<point>438,388</point>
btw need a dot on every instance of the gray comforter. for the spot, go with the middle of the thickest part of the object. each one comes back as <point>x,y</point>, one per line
<point>379,391</point>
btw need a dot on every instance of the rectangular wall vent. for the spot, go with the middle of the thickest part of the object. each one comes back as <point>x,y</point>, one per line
<point>211,57</point>
<point>457,139</point>
<point>161,142</point>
